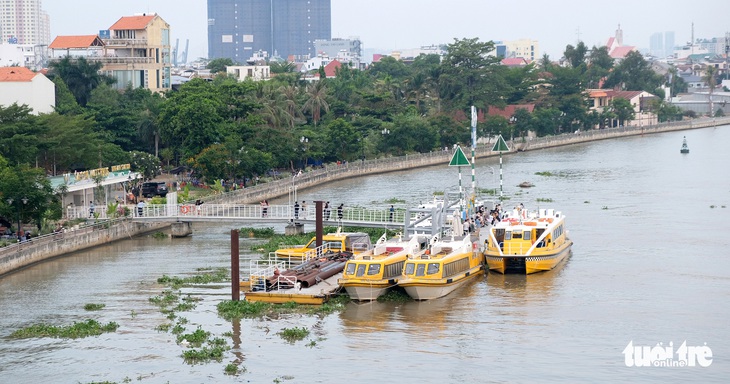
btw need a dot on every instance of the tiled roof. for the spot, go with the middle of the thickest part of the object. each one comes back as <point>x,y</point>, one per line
<point>628,95</point>
<point>132,22</point>
<point>621,52</point>
<point>331,68</point>
<point>514,62</point>
<point>8,74</point>
<point>82,41</point>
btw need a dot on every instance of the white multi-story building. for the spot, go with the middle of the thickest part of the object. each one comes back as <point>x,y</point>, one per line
<point>24,22</point>
<point>22,86</point>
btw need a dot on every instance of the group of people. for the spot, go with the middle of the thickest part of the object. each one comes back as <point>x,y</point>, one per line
<point>302,210</point>
<point>482,218</point>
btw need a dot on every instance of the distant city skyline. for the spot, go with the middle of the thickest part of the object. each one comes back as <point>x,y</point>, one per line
<point>391,25</point>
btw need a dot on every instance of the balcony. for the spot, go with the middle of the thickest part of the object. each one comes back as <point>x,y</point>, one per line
<point>112,43</point>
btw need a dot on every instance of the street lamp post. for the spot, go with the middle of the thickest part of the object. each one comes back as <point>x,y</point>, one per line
<point>10,202</point>
<point>304,141</point>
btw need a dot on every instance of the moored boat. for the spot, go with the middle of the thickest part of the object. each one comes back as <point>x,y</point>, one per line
<point>369,274</point>
<point>444,266</point>
<point>528,242</point>
<point>352,242</point>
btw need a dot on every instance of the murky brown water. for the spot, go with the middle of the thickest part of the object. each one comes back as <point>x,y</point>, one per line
<point>652,267</point>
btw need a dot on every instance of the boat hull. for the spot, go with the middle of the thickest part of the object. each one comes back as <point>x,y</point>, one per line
<point>527,264</point>
<point>363,292</point>
<point>425,289</point>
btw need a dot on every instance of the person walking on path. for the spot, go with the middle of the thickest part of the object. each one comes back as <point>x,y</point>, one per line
<point>304,209</point>
<point>296,210</point>
<point>91,209</point>
<point>391,214</point>
<point>264,208</point>
<point>327,210</point>
<point>339,211</point>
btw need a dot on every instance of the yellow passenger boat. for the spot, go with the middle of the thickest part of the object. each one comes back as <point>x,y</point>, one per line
<point>352,242</point>
<point>444,266</point>
<point>528,242</point>
<point>369,274</point>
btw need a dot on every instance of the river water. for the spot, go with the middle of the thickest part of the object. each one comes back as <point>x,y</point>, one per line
<point>649,265</point>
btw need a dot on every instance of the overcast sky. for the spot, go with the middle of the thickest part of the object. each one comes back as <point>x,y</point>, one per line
<point>402,24</point>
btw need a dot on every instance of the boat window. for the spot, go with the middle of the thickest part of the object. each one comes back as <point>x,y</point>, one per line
<point>350,269</point>
<point>420,269</point>
<point>409,268</point>
<point>527,235</point>
<point>374,269</point>
<point>433,268</point>
<point>508,235</point>
<point>360,270</point>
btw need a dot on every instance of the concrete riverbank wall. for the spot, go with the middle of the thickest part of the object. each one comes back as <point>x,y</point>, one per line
<point>42,248</point>
<point>328,173</point>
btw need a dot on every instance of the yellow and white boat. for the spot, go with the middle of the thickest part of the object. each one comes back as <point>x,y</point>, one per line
<point>444,266</point>
<point>352,242</point>
<point>528,242</point>
<point>369,274</point>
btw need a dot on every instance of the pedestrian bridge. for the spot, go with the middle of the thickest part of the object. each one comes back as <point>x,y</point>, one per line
<point>424,220</point>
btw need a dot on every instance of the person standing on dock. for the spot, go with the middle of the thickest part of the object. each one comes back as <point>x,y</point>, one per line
<point>391,214</point>
<point>304,209</point>
<point>326,210</point>
<point>339,211</point>
<point>91,209</point>
<point>296,210</point>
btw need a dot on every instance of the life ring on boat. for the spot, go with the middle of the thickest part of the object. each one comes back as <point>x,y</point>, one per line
<point>185,209</point>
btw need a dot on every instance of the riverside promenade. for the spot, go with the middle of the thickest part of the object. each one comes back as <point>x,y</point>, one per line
<point>331,172</point>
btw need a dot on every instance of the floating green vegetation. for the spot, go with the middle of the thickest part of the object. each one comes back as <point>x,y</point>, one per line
<point>544,200</point>
<point>604,207</point>
<point>503,198</point>
<point>394,200</point>
<point>165,299</point>
<point>438,193</point>
<point>586,202</point>
<point>163,327</point>
<point>232,369</point>
<point>261,233</point>
<point>203,355</point>
<point>312,344</point>
<point>231,309</point>
<point>713,206</point>
<point>545,173</point>
<point>94,307</point>
<point>196,339</point>
<point>293,334</point>
<point>87,328</point>
<point>487,191</point>
<point>217,275</point>
<point>159,235</point>
<point>395,295</point>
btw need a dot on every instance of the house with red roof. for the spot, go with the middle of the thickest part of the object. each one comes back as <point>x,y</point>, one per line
<point>515,62</point>
<point>135,50</point>
<point>22,86</point>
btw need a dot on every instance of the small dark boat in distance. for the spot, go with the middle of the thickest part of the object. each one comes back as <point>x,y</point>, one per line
<point>685,148</point>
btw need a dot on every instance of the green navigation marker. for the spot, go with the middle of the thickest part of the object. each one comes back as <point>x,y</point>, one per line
<point>500,145</point>
<point>459,158</point>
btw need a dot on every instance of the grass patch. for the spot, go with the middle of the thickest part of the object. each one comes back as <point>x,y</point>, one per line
<point>231,369</point>
<point>261,233</point>
<point>94,307</point>
<point>203,355</point>
<point>87,328</point>
<point>394,200</point>
<point>293,334</point>
<point>218,275</point>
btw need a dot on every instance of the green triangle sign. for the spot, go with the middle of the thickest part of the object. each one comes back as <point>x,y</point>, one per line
<point>500,145</point>
<point>459,158</point>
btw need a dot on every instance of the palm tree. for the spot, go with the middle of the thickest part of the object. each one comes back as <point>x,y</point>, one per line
<point>316,100</point>
<point>709,78</point>
<point>290,95</point>
<point>80,75</point>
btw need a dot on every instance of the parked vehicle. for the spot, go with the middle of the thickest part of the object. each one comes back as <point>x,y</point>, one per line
<point>154,188</point>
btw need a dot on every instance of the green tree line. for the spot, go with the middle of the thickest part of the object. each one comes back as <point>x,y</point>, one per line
<point>225,129</point>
